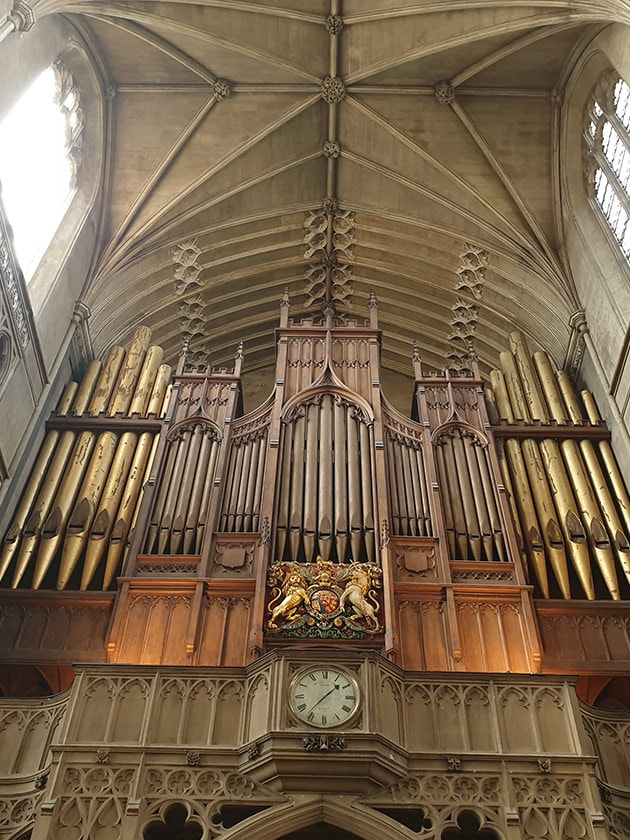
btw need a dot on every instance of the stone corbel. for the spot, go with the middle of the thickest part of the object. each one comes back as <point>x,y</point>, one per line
<point>575,347</point>
<point>81,340</point>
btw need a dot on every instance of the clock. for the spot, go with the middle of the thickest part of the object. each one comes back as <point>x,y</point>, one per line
<point>324,696</point>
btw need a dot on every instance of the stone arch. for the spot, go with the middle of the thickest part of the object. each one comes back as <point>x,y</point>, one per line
<point>352,821</point>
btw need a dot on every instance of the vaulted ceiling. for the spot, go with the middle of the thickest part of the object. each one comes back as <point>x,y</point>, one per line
<point>334,149</point>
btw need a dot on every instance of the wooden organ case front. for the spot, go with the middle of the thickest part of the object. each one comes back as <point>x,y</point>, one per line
<point>456,540</point>
<point>325,515</point>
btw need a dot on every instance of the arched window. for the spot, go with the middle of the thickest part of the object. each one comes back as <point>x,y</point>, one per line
<point>40,148</point>
<point>607,145</point>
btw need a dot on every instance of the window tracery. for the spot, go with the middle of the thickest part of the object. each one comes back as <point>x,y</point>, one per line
<point>41,141</point>
<point>607,147</point>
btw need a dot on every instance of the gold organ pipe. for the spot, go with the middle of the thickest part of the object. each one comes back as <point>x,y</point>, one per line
<point>12,538</point>
<point>573,528</point>
<point>341,482</point>
<point>366,492</point>
<point>610,462</point>
<point>589,509</point>
<point>325,501</point>
<point>139,470</point>
<point>121,465</point>
<point>123,394</point>
<point>82,513</point>
<point>507,483</point>
<point>309,507</point>
<point>551,532</point>
<point>54,476</point>
<point>184,495</point>
<point>532,538</point>
<point>54,526</point>
<point>297,485</point>
<point>354,486</point>
<point>152,384</point>
<point>123,397</point>
<point>598,482</point>
<point>529,386</point>
<point>568,512</point>
<point>143,484</point>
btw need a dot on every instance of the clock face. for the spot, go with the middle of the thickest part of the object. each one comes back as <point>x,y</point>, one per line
<point>324,696</point>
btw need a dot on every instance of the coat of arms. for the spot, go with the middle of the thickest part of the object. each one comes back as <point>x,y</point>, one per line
<point>324,599</point>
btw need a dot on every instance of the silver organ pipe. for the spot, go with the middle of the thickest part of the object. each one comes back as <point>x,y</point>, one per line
<point>407,482</point>
<point>177,520</point>
<point>325,475</point>
<point>367,497</point>
<point>340,480</point>
<point>471,512</point>
<point>245,474</point>
<point>309,509</point>
<point>199,483</point>
<point>325,488</point>
<point>297,484</point>
<point>182,499</point>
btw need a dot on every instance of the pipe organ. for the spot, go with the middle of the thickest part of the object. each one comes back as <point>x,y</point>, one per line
<point>325,513</point>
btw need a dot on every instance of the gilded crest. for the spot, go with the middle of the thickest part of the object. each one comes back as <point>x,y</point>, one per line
<point>324,599</point>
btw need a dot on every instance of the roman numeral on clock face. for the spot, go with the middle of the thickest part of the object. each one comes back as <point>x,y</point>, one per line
<point>324,696</point>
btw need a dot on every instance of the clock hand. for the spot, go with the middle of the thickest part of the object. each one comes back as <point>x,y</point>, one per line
<point>323,697</point>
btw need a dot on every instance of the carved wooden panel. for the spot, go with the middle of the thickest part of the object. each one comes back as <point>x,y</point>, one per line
<point>415,558</point>
<point>493,635</point>
<point>234,556</point>
<point>584,637</point>
<point>224,628</point>
<point>42,626</point>
<point>305,362</point>
<point>423,642</point>
<point>153,625</point>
